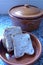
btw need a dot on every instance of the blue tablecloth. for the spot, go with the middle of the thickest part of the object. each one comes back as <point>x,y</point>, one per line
<point>5,21</point>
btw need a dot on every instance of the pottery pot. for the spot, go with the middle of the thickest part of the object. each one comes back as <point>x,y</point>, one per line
<point>26,16</point>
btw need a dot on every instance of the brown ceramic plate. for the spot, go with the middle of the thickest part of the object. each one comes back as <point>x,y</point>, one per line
<point>26,59</point>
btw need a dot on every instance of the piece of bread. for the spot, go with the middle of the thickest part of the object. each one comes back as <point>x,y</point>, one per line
<point>22,44</point>
<point>7,35</point>
<point>12,30</point>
